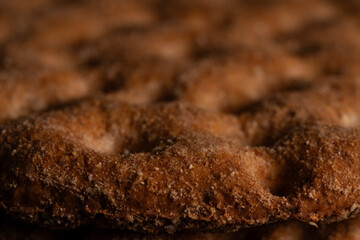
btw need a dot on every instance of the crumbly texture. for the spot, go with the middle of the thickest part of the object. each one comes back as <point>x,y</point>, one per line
<point>171,167</point>
<point>170,116</point>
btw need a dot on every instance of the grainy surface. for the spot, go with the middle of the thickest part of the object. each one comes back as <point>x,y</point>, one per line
<point>171,116</point>
<point>169,167</point>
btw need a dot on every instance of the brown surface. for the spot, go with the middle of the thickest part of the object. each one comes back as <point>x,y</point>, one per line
<point>174,167</point>
<point>177,115</point>
<point>59,51</point>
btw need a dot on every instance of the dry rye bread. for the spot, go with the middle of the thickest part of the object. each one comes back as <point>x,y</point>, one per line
<point>207,115</point>
<point>169,167</point>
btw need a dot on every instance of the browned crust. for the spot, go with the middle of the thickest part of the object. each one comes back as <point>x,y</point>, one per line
<point>174,167</point>
<point>258,120</point>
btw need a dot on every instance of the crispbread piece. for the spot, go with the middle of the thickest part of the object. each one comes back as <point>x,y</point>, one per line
<point>157,115</point>
<point>171,167</point>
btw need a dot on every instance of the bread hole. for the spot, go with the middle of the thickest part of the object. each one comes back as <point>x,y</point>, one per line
<point>113,84</point>
<point>285,177</point>
<point>284,170</point>
<point>282,177</point>
<point>308,49</point>
<point>297,85</point>
<point>147,146</point>
<point>303,151</point>
<point>292,179</point>
<point>125,145</point>
<point>269,173</point>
